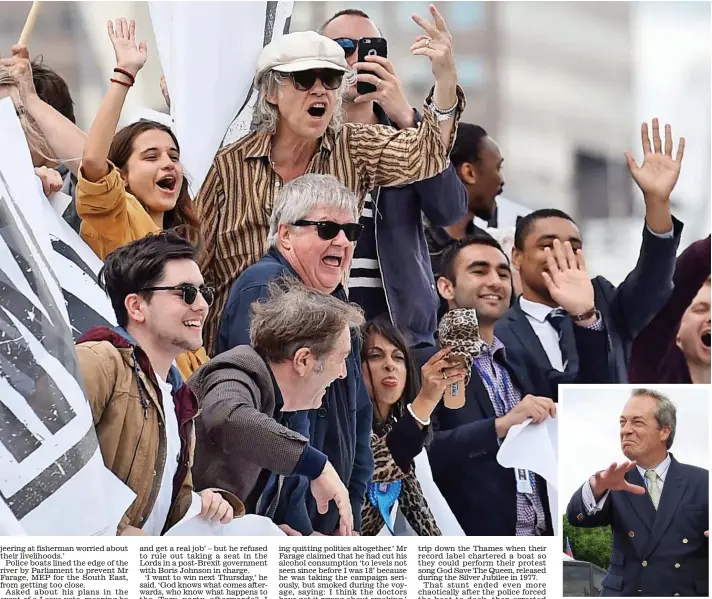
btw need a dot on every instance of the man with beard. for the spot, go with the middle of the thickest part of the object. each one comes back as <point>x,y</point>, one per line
<point>485,497</point>
<point>658,508</point>
<point>478,161</point>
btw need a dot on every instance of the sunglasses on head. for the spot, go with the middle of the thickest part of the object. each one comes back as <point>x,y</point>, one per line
<point>349,45</point>
<point>327,229</point>
<point>305,80</point>
<point>190,292</point>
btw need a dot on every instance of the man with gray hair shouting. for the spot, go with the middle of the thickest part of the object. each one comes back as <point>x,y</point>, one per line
<point>300,339</point>
<point>313,227</point>
<point>657,507</point>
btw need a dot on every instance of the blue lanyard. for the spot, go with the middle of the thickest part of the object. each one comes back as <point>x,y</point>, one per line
<point>492,389</point>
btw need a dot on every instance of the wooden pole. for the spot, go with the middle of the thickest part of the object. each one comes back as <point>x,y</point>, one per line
<point>29,23</point>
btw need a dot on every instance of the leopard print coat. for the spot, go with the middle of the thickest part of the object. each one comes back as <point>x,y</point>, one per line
<point>411,501</point>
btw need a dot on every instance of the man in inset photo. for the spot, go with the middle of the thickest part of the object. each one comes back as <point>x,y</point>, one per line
<point>657,507</point>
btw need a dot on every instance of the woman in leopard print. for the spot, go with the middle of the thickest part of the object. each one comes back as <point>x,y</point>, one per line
<point>399,403</point>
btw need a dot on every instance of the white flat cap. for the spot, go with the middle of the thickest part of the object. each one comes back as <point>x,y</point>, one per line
<point>300,51</point>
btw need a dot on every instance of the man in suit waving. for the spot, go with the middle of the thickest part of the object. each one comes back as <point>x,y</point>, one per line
<point>538,336</point>
<point>657,507</point>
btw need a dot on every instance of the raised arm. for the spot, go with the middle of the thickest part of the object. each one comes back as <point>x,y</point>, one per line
<point>129,58</point>
<point>64,138</point>
<point>387,158</point>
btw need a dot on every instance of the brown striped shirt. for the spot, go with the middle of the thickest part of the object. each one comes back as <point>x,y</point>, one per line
<point>239,192</point>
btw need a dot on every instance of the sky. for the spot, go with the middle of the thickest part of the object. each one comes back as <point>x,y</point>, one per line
<point>589,431</point>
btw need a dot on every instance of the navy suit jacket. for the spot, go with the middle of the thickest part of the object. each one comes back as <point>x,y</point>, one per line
<point>625,310</point>
<point>655,553</point>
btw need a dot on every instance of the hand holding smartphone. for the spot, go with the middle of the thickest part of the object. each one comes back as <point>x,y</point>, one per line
<point>369,46</point>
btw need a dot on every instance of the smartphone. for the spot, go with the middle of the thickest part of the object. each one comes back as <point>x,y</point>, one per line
<point>370,46</point>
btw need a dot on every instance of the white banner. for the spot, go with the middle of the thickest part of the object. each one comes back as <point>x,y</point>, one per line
<point>49,456</point>
<point>208,51</point>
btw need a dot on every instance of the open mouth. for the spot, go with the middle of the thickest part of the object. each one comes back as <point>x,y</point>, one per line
<point>333,261</point>
<point>317,110</point>
<point>706,341</point>
<point>192,324</point>
<point>491,297</point>
<point>167,183</point>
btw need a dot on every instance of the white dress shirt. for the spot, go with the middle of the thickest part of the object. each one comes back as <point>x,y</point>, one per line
<point>548,336</point>
<point>159,514</point>
<point>587,493</point>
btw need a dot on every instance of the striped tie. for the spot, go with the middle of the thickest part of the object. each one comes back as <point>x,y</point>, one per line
<point>653,487</point>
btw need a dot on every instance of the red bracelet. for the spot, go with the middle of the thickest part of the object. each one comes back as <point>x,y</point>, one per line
<point>126,73</point>
<point>120,82</point>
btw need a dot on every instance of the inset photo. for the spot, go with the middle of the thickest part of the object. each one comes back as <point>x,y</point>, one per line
<point>634,490</point>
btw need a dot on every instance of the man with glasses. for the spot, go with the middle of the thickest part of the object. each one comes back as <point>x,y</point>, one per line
<point>143,413</point>
<point>391,274</point>
<point>301,79</point>
<point>313,227</point>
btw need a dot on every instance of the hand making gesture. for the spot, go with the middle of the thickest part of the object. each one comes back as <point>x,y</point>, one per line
<point>657,176</point>
<point>436,45</point>
<point>123,38</point>
<point>567,279</point>
<point>613,479</point>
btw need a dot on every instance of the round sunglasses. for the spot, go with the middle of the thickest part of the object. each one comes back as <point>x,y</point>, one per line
<point>349,45</point>
<point>327,229</point>
<point>190,292</point>
<point>305,80</point>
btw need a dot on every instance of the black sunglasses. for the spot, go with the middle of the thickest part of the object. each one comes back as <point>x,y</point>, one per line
<point>327,229</point>
<point>349,45</point>
<point>305,80</point>
<point>190,292</point>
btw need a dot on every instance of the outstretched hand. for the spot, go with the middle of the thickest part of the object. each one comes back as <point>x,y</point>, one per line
<point>567,279</point>
<point>613,479</point>
<point>123,37</point>
<point>658,174</point>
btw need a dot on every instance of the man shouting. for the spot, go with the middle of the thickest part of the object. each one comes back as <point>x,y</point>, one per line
<point>657,507</point>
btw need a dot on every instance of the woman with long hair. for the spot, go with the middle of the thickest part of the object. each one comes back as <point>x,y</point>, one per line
<point>401,424</point>
<point>132,184</point>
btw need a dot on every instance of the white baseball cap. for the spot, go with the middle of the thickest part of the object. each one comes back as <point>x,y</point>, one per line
<point>300,51</point>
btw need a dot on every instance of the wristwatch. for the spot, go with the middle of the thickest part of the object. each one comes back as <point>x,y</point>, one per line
<point>585,316</point>
<point>443,115</point>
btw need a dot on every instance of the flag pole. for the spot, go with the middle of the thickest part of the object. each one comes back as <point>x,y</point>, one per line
<point>29,23</point>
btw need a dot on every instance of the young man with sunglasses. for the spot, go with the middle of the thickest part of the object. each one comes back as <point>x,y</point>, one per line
<point>391,275</point>
<point>301,79</point>
<point>143,413</point>
<point>313,228</point>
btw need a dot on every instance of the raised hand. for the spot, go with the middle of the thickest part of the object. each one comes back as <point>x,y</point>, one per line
<point>613,479</point>
<point>567,279</point>
<point>21,68</point>
<point>123,38</point>
<point>389,93</point>
<point>436,45</point>
<point>657,176</point>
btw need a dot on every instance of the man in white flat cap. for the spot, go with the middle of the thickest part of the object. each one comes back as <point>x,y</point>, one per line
<point>301,79</point>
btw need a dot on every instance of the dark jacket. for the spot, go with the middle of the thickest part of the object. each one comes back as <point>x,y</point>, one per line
<point>240,433</point>
<point>625,310</point>
<point>655,357</point>
<point>340,428</point>
<point>403,251</point>
<point>655,553</point>
<point>463,454</point>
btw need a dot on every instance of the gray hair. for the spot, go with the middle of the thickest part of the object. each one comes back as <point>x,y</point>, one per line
<point>294,316</point>
<point>301,196</point>
<point>665,412</point>
<point>265,114</point>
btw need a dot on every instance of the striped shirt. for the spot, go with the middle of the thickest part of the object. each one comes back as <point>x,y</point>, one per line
<point>505,396</point>
<point>365,279</point>
<point>236,200</point>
